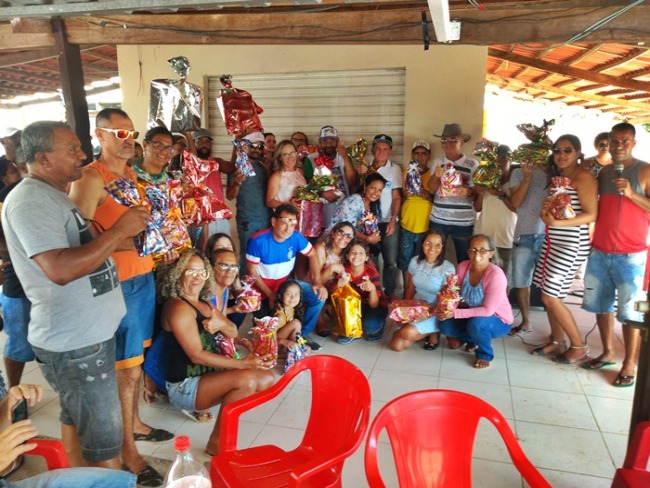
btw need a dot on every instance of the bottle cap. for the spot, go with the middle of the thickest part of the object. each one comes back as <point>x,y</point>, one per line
<point>181,443</point>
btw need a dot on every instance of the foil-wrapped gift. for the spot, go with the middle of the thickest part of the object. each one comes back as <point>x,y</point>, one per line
<point>452,182</point>
<point>242,162</point>
<point>240,113</point>
<point>226,346</point>
<point>265,340</point>
<point>369,223</point>
<point>127,193</point>
<point>176,104</point>
<point>305,150</point>
<point>413,179</point>
<point>539,149</point>
<point>559,201</point>
<point>409,311</point>
<point>488,173</point>
<point>250,298</point>
<point>310,218</point>
<point>297,353</point>
<point>448,297</point>
<point>357,153</point>
<point>173,228</point>
<point>346,302</point>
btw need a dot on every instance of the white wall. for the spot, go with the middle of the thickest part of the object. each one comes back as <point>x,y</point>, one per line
<point>445,84</point>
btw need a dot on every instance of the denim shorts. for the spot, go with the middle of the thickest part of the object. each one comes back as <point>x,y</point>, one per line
<point>525,252</point>
<point>85,381</point>
<point>183,394</point>
<point>136,328</point>
<point>409,246</point>
<point>609,274</point>
<point>77,478</point>
<point>15,312</point>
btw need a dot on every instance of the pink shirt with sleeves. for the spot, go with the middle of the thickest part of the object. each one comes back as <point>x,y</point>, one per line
<point>495,290</point>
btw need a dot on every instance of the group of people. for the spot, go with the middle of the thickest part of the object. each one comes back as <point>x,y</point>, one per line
<point>89,307</point>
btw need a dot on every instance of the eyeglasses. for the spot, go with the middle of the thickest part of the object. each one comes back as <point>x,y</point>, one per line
<point>345,235</point>
<point>291,154</point>
<point>288,220</point>
<point>161,147</point>
<point>602,145</point>
<point>430,244</point>
<point>197,273</point>
<point>450,140</point>
<point>122,133</point>
<point>565,150</point>
<point>259,146</point>
<point>480,251</point>
<point>225,267</point>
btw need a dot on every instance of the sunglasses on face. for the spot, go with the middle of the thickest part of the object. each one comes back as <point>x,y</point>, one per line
<point>565,150</point>
<point>161,147</point>
<point>449,140</point>
<point>122,133</point>
<point>227,267</point>
<point>259,146</point>
<point>197,273</point>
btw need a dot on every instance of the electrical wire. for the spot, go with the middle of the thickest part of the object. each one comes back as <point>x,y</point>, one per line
<point>593,28</point>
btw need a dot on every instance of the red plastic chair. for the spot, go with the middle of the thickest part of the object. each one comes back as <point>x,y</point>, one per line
<point>634,473</point>
<point>432,433</point>
<point>338,421</point>
<point>52,451</point>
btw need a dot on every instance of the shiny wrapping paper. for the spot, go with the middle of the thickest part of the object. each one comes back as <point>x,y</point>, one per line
<point>265,340</point>
<point>369,223</point>
<point>306,150</point>
<point>451,182</point>
<point>310,218</point>
<point>226,346</point>
<point>409,311</point>
<point>488,173</point>
<point>346,302</point>
<point>176,104</point>
<point>357,153</point>
<point>198,204</point>
<point>240,113</point>
<point>173,228</point>
<point>127,193</point>
<point>413,180</point>
<point>537,151</point>
<point>242,162</point>
<point>297,353</point>
<point>250,298</point>
<point>560,201</point>
<point>448,296</point>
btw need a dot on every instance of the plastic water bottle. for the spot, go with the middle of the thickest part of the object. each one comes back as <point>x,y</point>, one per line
<point>186,472</point>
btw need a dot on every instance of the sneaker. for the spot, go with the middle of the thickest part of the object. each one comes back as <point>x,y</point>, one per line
<point>313,345</point>
<point>376,337</point>
<point>346,340</point>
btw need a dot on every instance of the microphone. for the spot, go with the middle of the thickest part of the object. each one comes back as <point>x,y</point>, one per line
<point>619,174</point>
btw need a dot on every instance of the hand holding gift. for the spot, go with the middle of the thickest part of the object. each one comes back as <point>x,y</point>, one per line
<point>240,113</point>
<point>452,182</point>
<point>558,204</point>
<point>265,341</point>
<point>448,298</point>
<point>409,311</point>
<point>250,298</point>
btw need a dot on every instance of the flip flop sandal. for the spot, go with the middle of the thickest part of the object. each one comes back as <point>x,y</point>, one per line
<point>156,435</point>
<point>620,381</point>
<point>430,347</point>
<point>595,364</point>
<point>148,476</point>
<point>471,348</point>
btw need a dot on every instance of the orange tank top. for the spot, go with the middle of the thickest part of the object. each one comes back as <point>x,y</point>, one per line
<point>129,263</point>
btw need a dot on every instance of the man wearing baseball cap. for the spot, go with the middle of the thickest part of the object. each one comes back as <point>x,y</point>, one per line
<point>250,191</point>
<point>390,201</point>
<point>454,215</point>
<point>331,147</point>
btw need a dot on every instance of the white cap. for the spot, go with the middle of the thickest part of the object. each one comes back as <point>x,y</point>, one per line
<point>254,137</point>
<point>421,143</point>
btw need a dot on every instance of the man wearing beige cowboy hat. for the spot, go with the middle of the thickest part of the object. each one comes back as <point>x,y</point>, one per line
<point>453,215</point>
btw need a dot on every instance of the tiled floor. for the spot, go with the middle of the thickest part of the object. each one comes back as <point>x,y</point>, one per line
<point>571,423</point>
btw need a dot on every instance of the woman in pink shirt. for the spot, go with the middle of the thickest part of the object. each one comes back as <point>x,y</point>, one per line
<point>484,312</point>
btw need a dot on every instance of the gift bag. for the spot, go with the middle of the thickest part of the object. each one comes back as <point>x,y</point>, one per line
<point>488,173</point>
<point>265,340</point>
<point>448,296</point>
<point>176,104</point>
<point>451,182</point>
<point>413,179</point>
<point>559,202</point>
<point>409,311</point>
<point>538,150</point>
<point>297,353</point>
<point>250,297</point>
<point>226,346</point>
<point>346,302</point>
<point>240,113</point>
<point>310,218</point>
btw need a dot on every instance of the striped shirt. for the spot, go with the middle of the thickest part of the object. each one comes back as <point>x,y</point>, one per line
<point>454,210</point>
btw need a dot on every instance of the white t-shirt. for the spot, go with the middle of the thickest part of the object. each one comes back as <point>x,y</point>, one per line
<point>393,175</point>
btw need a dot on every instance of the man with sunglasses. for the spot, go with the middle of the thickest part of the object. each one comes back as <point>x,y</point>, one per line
<point>331,148</point>
<point>271,257</point>
<point>250,191</point>
<point>114,129</point>
<point>72,283</point>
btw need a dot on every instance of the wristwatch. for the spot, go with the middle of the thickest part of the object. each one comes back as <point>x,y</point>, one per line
<point>395,217</point>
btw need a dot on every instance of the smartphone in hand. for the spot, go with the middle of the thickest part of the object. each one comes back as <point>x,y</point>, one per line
<point>19,412</point>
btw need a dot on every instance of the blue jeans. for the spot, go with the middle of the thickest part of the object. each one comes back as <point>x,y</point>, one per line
<point>409,246</point>
<point>77,478</point>
<point>389,246</point>
<point>608,274</point>
<point>85,382</point>
<point>15,312</point>
<point>245,229</point>
<point>313,307</point>
<point>460,235</point>
<point>477,330</point>
<point>526,249</point>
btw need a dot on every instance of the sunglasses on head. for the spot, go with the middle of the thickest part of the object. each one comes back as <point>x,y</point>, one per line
<point>122,133</point>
